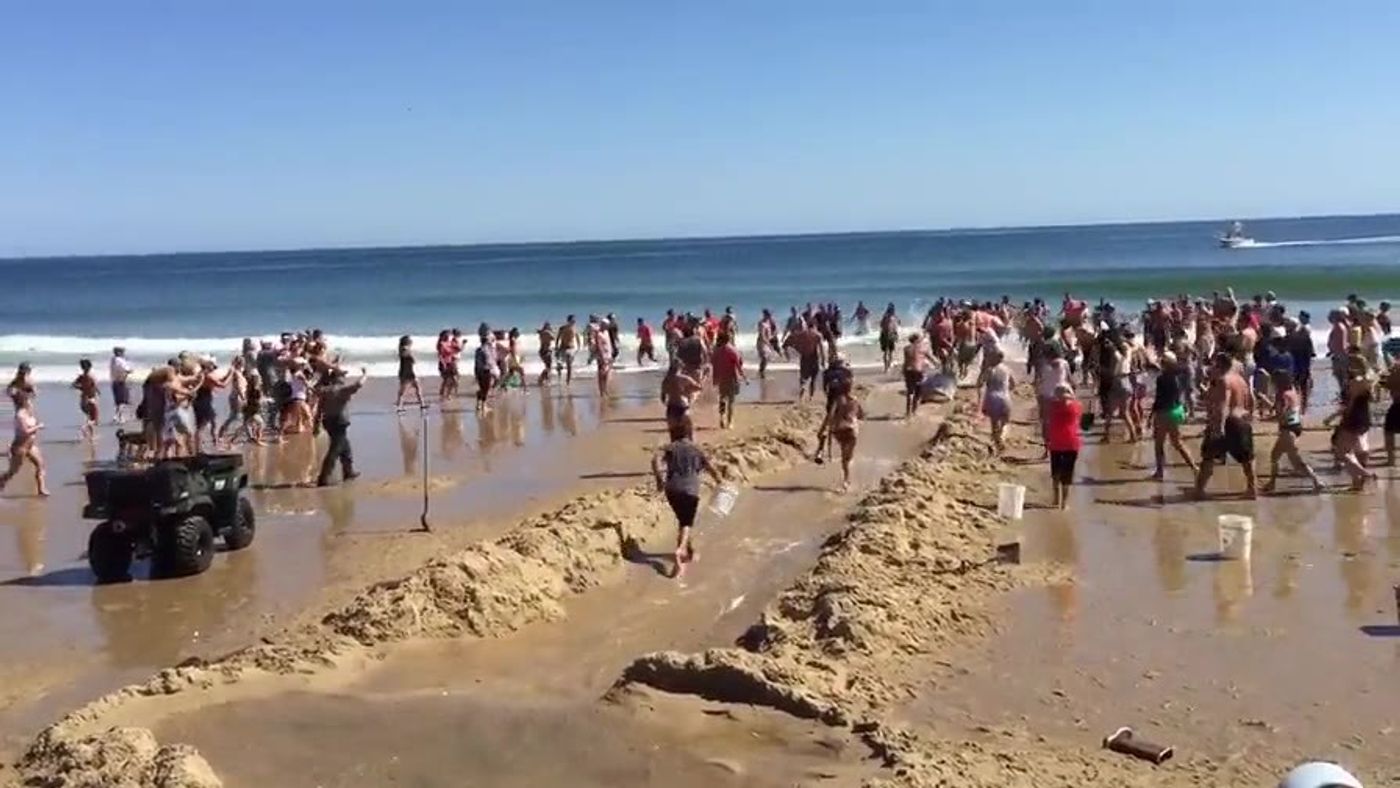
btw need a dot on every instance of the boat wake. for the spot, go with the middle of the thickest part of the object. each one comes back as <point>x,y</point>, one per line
<point>1249,243</point>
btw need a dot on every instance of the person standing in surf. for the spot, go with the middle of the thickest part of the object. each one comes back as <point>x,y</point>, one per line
<point>889,336</point>
<point>646,349</point>
<point>766,342</point>
<point>566,347</point>
<point>677,467</point>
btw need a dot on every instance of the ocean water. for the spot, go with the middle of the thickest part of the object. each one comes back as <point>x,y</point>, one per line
<point>55,310</point>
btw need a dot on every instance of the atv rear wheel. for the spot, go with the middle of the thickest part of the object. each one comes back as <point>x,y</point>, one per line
<point>240,534</point>
<point>109,552</point>
<point>185,547</point>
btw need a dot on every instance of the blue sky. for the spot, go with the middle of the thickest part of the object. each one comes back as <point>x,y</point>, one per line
<point>140,126</point>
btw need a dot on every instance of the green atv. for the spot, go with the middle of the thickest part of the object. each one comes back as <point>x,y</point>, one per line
<point>169,512</point>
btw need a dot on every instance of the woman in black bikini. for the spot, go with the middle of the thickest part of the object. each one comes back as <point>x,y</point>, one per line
<point>408,378</point>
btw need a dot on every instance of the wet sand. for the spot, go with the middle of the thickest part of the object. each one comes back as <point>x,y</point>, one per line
<point>1291,655</point>
<point>901,651</point>
<point>66,640</point>
<point>771,536</point>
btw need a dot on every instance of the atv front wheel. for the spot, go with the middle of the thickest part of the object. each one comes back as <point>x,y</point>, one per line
<point>240,534</point>
<point>185,547</point>
<point>109,552</point>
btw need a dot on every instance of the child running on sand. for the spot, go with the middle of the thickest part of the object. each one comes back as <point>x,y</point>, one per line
<point>677,467</point>
<point>1063,439</point>
<point>86,386</point>
<point>25,445</point>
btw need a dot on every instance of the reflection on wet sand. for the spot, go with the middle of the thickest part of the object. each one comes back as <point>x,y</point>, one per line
<point>451,439</point>
<point>160,622</point>
<point>1169,549</point>
<point>408,445</point>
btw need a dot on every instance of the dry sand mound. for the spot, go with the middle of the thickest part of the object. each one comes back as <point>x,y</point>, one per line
<point>486,590</point>
<point>911,576</point>
<point>118,758</point>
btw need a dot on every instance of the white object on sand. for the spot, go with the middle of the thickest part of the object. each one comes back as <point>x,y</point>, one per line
<point>1320,774</point>
<point>1011,500</point>
<point>723,502</point>
<point>1236,534</point>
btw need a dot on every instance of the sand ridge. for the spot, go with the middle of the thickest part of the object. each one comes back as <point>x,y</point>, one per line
<point>911,577</point>
<point>486,590</point>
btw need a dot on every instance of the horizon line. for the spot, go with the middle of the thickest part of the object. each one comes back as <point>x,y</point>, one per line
<point>684,238</point>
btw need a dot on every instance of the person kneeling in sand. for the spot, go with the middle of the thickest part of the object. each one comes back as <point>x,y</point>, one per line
<point>677,467</point>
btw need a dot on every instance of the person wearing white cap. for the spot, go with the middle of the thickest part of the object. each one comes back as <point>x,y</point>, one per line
<point>1320,774</point>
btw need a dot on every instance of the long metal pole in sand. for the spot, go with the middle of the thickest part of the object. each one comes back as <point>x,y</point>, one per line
<point>423,526</point>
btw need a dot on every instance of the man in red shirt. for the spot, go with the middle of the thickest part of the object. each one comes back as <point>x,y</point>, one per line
<point>727,369</point>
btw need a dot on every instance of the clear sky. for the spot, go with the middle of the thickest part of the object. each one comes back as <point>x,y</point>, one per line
<point>143,126</point>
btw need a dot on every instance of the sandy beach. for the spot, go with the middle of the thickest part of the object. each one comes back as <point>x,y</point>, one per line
<point>867,638</point>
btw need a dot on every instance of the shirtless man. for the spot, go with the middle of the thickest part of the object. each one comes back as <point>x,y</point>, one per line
<point>567,344</point>
<point>810,349</point>
<point>86,385</point>
<point>1228,431</point>
<point>916,361</point>
<point>546,340</point>
<point>603,354</point>
<point>889,335</point>
<point>767,341</point>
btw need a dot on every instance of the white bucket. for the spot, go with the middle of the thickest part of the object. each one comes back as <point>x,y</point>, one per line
<point>1236,533</point>
<point>723,502</point>
<point>1011,500</point>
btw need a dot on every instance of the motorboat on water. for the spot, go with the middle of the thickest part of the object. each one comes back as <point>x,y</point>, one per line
<point>1234,238</point>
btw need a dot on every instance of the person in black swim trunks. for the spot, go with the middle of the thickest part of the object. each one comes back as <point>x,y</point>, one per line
<point>810,347</point>
<point>677,467</point>
<point>1392,415</point>
<point>889,335</point>
<point>917,359</point>
<point>1228,431</point>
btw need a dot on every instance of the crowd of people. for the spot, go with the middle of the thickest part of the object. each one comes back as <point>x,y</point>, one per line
<point>1227,361</point>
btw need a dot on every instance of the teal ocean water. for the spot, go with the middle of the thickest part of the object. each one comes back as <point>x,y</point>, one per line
<point>55,310</point>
